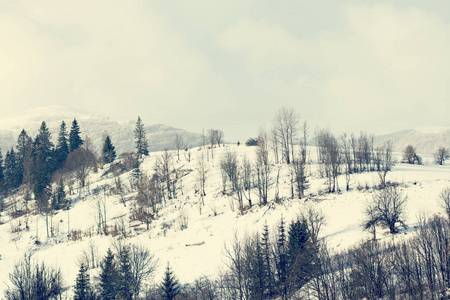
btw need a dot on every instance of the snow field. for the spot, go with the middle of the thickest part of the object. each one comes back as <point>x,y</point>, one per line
<point>198,250</point>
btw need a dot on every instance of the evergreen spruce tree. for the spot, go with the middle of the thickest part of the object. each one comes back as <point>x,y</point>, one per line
<point>75,140</point>
<point>300,253</point>
<point>22,143</point>
<point>108,151</point>
<point>298,237</point>
<point>170,287</point>
<point>2,183</point>
<point>22,150</point>
<point>42,167</point>
<point>109,277</point>
<point>59,200</point>
<point>125,275</point>
<point>62,147</point>
<point>266,248</point>
<point>136,173</point>
<point>256,272</point>
<point>11,171</point>
<point>140,139</point>
<point>83,290</point>
<point>281,261</point>
<point>27,161</point>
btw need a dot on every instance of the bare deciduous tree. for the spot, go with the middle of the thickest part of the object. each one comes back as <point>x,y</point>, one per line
<point>387,162</point>
<point>248,179</point>
<point>364,152</point>
<point>444,198</point>
<point>274,144</point>
<point>219,136</point>
<point>80,163</point>
<point>263,168</point>
<point>410,156</point>
<point>299,176</point>
<point>304,141</point>
<point>229,165</point>
<point>329,157</point>
<point>146,199</point>
<point>202,171</point>
<point>164,171</point>
<point>179,143</point>
<point>314,219</point>
<point>212,139</point>
<point>119,187</point>
<point>347,160</point>
<point>387,209</point>
<point>441,155</point>
<point>286,125</point>
<point>143,266</point>
<point>29,280</point>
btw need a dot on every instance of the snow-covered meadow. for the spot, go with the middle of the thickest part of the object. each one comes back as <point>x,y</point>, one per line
<point>198,249</point>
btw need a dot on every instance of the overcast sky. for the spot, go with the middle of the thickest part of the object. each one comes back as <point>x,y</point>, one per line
<point>378,66</point>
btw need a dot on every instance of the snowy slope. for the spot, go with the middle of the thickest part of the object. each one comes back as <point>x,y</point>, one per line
<point>424,140</point>
<point>211,231</point>
<point>96,127</point>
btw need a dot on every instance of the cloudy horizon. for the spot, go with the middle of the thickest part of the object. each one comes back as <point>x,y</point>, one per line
<point>378,66</point>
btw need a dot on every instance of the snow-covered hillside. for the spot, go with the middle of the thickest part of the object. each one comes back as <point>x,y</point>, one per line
<point>96,127</point>
<point>424,140</point>
<point>198,249</point>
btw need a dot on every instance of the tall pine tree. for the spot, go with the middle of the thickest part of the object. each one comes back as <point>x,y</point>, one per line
<point>108,151</point>
<point>266,248</point>
<point>140,139</point>
<point>42,167</point>
<point>62,147</point>
<point>25,151</point>
<point>83,290</point>
<point>125,275</point>
<point>301,253</point>
<point>11,171</point>
<point>169,287</point>
<point>75,140</point>
<point>256,271</point>
<point>2,183</point>
<point>59,200</point>
<point>109,277</point>
<point>22,151</point>
<point>281,261</point>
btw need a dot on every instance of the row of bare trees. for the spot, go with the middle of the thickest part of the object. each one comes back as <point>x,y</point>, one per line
<point>417,268</point>
<point>286,132</point>
<point>243,177</point>
<point>349,156</point>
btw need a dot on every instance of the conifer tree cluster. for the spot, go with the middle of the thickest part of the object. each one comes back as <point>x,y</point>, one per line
<point>34,161</point>
<point>122,274</point>
<point>34,164</point>
<point>265,269</point>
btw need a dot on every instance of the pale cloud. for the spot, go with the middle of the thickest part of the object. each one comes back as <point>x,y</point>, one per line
<point>411,46</point>
<point>112,57</point>
<point>264,46</point>
<point>229,64</point>
<point>383,63</point>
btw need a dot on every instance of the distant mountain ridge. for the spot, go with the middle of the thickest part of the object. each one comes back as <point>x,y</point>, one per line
<point>96,127</point>
<point>425,141</point>
<point>160,136</point>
